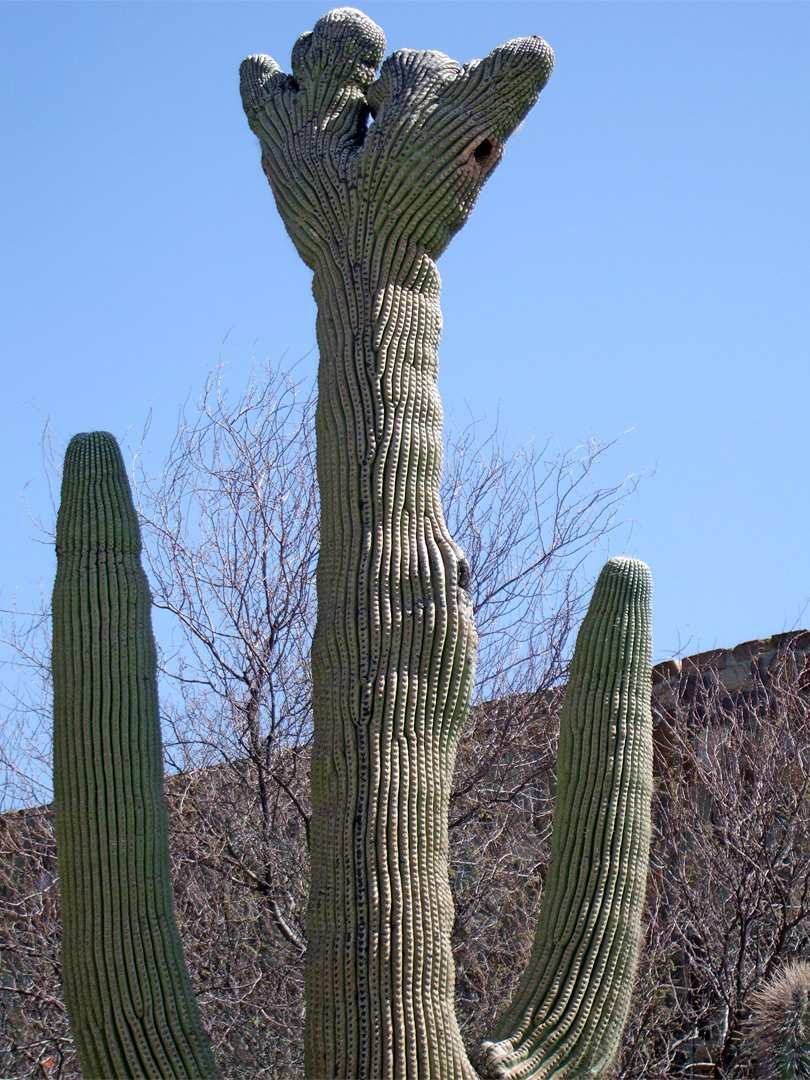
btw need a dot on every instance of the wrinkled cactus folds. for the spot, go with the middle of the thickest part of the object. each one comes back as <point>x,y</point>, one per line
<point>370,207</point>
<point>571,1006</point>
<point>131,1007</point>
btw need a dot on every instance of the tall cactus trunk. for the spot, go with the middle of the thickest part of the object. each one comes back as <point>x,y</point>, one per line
<point>131,1007</point>
<point>394,650</point>
<point>392,665</point>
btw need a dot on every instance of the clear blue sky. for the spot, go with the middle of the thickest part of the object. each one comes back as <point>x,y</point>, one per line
<point>639,263</point>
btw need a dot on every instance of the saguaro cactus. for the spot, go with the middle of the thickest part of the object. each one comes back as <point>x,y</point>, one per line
<point>131,1007</point>
<point>570,1009</point>
<point>370,208</point>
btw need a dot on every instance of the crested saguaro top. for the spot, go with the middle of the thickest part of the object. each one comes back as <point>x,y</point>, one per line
<point>369,207</point>
<point>415,173</point>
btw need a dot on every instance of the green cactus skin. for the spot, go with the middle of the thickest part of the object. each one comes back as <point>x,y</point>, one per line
<point>778,1035</point>
<point>570,1009</point>
<point>131,1007</point>
<point>369,209</point>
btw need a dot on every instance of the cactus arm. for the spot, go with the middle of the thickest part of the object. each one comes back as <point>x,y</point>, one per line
<point>570,1008</point>
<point>131,1007</point>
<point>369,209</point>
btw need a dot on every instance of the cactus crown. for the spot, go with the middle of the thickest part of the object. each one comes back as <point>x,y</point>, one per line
<point>96,512</point>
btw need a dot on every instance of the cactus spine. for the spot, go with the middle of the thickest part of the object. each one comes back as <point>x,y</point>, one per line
<point>778,1036</point>
<point>569,1011</point>
<point>131,1006</point>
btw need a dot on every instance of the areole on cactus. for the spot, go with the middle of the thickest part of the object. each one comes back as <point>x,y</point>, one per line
<point>369,209</point>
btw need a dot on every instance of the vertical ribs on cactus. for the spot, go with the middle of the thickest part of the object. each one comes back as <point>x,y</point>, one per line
<point>370,208</point>
<point>130,1003</point>
<point>568,1014</point>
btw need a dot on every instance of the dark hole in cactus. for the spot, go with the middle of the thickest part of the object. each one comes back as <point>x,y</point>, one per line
<point>483,150</point>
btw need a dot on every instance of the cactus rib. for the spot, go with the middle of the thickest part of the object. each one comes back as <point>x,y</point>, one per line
<point>131,1006</point>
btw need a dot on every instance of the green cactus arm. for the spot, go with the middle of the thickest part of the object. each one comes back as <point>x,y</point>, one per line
<point>131,1007</point>
<point>369,209</point>
<point>570,1008</point>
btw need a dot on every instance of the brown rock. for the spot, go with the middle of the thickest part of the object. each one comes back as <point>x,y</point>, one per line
<point>712,658</point>
<point>747,650</point>
<point>794,639</point>
<point>667,669</point>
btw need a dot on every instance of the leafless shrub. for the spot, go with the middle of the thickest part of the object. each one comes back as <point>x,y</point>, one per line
<point>230,533</point>
<point>34,1037</point>
<point>25,664</point>
<point>730,887</point>
<point>25,745</point>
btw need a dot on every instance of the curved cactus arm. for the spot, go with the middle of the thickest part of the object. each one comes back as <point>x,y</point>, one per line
<point>131,1007</point>
<point>570,1008</point>
<point>369,208</point>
